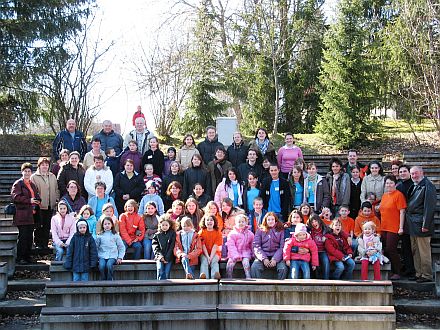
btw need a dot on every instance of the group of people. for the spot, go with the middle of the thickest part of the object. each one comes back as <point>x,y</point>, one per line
<point>205,203</point>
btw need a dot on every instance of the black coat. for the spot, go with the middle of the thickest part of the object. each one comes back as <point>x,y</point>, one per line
<point>168,179</point>
<point>163,245</point>
<point>245,168</point>
<point>237,154</point>
<point>191,176</point>
<point>285,198</point>
<point>68,173</point>
<point>123,185</point>
<point>355,198</point>
<point>156,158</point>
<point>207,149</point>
<point>82,254</point>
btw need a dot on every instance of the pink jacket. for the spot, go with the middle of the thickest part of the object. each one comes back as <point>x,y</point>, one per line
<point>308,243</point>
<point>58,233</point>
<point>223,192</point>
<point>239,244</point>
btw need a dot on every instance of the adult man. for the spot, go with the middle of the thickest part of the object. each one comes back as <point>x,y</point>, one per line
<point>109,138</point>
<point>275,192</point>
<point>352,161</point>
<point>140,134</point>
<point>420,222</point>
<point>208,147</point>
<point>218,168</point>
<point>98,172</point>
<point>250,166</point>
<point>237,151</point>
<point>138,114</point>
<point>70,139</point>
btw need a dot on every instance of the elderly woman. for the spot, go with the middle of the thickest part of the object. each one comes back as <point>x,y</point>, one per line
<point>47,186</point>
<point>100,198</point>
<point>73,198</point>
<point>25,196</point>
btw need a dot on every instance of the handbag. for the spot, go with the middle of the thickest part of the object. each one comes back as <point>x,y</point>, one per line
<point>10,209</point>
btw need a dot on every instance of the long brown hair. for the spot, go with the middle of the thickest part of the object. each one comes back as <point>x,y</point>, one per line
<point>278,224</point>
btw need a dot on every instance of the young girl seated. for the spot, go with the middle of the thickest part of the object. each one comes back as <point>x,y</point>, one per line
<point>111,249</point>
<point>318,230</point>
<point>212,241</point>
<point>240,246</point>
<point>86,213</point>
<point>300,261</point>
<point>326,216</point>
<point>293,219</point>
<point>82,254</point>
<point>306,211</point>
<point>132,228</point>
<point>370,251</point>
<point>193,212</point>
<point>212,209</point>
<point>188,247</point>
<point>62,227</point>
<point>152,195</point>
<point>108,211</point>
<point>151,221</point>
<point>163,247</point>
<point>339,252</point>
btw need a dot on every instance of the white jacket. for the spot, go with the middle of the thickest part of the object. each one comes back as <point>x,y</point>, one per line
<point>92,176</point>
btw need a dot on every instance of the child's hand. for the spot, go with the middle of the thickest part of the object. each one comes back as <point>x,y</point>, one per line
<point>119,261</point>
<point>266,262</point>
<point>350,256</point>
<point>313,267</point>
<point>303,250</point>
<point>400,232</point>
<point>273,263</point>
<point>349,240</point>
<point>162,259</point>
<point>288,263</point>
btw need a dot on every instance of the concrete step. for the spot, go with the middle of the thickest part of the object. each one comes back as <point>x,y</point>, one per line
<point>413,285</point>
<point>22,306</point>
<point>40,266</point>
<point>412,306</point>
<point>27,284</point>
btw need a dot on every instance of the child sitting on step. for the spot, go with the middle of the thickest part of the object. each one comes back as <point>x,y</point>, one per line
<point>62,227</point>
<point>163,247</point>
<point>188,247</point>
<point>108,211</point>
<point>86,213</point>
<point>212,241</point>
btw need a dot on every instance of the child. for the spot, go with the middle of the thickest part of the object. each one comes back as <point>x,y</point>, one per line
<point>171,156</point>
<point>293,219</point>
<point>348,226</point>
<point>339,251</point>
<point>318,230</point>
<point>62,227</point>
<point>163,247</point>
<point>133,154</point>
<point>251,191</point>
<point>365,215</point>
<point>177,211</point>
<point>300,261</point>
<point>188,247</point>
<point>108,211</point>
<point>199,195</point>
<point>212,242</point>
<point>150,176</point>
<point>132,227</point>
<point>370,251</point>
<point>305,211</point>
<point>153,196</point>
<point>240,246</point>
<point>257,215</point>
<point>372,198</point>
<point>230,187</point>
<point>86,213</point>
<point>212,209</point>
<point>355,190</point>
<point>326,216</point>
<point>111,249</point>
<point>82,254</point>
<point>193,212</point>
<point>151,221</point>
<point>112,161</point>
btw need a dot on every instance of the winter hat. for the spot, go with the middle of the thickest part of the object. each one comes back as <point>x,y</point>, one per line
<point>300,228</point>
<point>151,183</point>
<point>81,222</point>
<point>171,149</point>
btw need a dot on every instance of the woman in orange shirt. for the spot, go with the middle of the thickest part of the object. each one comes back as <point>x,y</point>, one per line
<point>392,210</point>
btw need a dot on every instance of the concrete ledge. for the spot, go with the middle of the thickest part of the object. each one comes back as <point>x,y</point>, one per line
<point>3,279</point>
<point>9,256</point>
<point>27,285</point>
<point>8,240</point>
<point>22,306</point>
<point>426,306</point>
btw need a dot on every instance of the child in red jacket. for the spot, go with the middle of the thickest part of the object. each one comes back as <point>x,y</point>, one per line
<point>188,247</point>
<point>132,228</point>
<point>299,251</point>
<point>339,251</point>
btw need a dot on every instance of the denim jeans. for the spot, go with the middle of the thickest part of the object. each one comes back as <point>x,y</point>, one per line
<point>296,266</point>
<point>106,269</point>
<point>163,270</point>
<point>59,252</point>
<point>257,269</point>
<point>354,246</point>
<point>148,249</point>
<point>137,246</point>
<point>345,267</point>
<point>204,267</point>
<point>324,265</point>
<point>80,277</point>
<point>188,269</point>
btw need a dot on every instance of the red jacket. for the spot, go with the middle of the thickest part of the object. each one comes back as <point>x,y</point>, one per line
<point>128,224</point>
<point>195,249</point>
<point>334,252</point>
<point>308,243</point>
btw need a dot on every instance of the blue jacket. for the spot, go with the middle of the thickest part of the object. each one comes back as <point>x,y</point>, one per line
<point>110,140</point>
<point>154,198</point>
<point>251,217</point>
<point>63,140</point>
<point>113,164</point>
<point>93,202</point>
<point>110,246</point>
<point>82,254</point>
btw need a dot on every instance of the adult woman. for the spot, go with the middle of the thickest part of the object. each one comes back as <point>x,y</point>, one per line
<point>73,198</point>
<point>287,155</point>
<point>155,157</point>
<point>230,187</point>
<point>373,182</point>
<point>47,186</point>
<point>263,146</point>
<point>64,157</point>
<point>187,151</point>
<point>196,173</point>
<point>296,184</point>
<point>237,151</point>
<point>395,165</point>
<point>392,210</point>
<point>339,184</point>
<point>127,185</point>
<point>25,196</point>
<point>316,189</point>
<point>174,175</point>
<point>173,192</point>
<point>72,171</point>
<point>97,201</point>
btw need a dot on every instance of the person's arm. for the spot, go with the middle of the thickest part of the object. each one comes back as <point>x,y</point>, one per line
<point>401,220</point>
<point>89,181</point>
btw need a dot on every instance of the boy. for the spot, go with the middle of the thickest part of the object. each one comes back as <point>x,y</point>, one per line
<point>112,161</point>
<point>347,226</point>
<point>326,216</point>
<point>257,214</point>
<point>364,216</point>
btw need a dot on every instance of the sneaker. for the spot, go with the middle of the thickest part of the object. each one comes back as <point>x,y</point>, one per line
<point>189,276</point>
<point>395,277</point>
<point>423,280</point>
<point>217,276</point>
<point>202,276</point>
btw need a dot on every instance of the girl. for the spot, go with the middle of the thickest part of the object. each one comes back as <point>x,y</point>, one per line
<point>155,157</point>
<point>152,196</point>
<point>187,151</point>
<point>171,157</point>
<point>163,246</point>
<point>111,249</point>
<point>108,211</point>
<point>265,173</point>
<point>151,221</point>
<point>326,216</point>
<point>302,165</point>
<point>82,254</point>
<point>296,184</point>
<point>173,192</point>
<point>150,176</point>
<point>292,221</point>
<point>133,154</point>
<point>193,212</point>
<point>177,211</point>
<point>306,211</point>
<point>373,181</point>
<point>370,251</point>
<point>212,209</point>
<point>318,230</point>
<point>175,174</point>
<point>251,191</point>
<point>62,228</point>
<point>86,213</point>
<point>212,242</point>
<point>339,185</point>
<point>199,195</point>
<point>287,156</point>
<point>355,191</point>
<point>240,246</point>
<point>188,247</point>
<point>132,228</point>
<point>268,247</point>
<point>316,189</point>
<point>196,173</point>
<point>263,145</point>
<point>300,261</point>
<point>339,251</point>
<point>230,187</point>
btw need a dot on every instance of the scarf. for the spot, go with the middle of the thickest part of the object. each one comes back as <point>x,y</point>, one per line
<point>314,180</point>
<point>237,146</point>
<point>231,192</point>
<point>334,187</point>
<point>186,240</point>
<point>262,146</point>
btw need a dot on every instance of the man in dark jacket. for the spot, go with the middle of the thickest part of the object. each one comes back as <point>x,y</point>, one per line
<point>237,151</point>
<point>218,168</point>
<point>208,147</point>
<point>419,223</point>
<point>70,139</point>
<point>109,138</point>
<point>250,166</point>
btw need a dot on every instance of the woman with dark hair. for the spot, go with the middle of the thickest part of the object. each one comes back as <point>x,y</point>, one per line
<point>173,192</point>
<point>263,145</point>
<point>186,152</point>
<point>339,184</point>
<point>155,157</point>
<point>230,187</point>
<point>26,199</point>
<point>73,198</point>
<point>72,171</point>
<point>175,174</point>
<point>373,182</point>
<point>196,173</point>
<point>287,155</point>
<point>200,195</point>
<point>296,184</point>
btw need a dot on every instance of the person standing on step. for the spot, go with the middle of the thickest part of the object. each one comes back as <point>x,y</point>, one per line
<point>109,138</point>
<point>71,139</point>
<point>208,147</point>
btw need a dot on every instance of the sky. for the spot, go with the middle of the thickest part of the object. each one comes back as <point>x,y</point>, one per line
<point>131,24</point>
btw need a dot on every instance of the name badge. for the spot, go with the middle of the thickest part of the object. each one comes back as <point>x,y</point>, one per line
<point>277,188</point>
<point>149,157</point>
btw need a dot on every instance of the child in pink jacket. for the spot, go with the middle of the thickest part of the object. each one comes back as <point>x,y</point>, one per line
<point>299,251</point>
<point>240,246</point>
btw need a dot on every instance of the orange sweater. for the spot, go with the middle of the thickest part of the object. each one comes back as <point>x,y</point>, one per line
<point>361,219</point>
